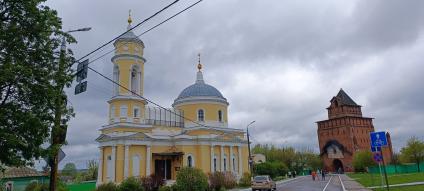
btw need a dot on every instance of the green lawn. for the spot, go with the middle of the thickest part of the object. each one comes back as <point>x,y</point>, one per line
<point>403,188</point>
<point>375,180</point>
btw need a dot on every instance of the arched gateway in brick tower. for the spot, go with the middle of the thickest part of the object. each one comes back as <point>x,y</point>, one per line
<point>344,133</point>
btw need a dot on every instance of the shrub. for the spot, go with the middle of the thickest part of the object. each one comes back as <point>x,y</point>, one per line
<point>131,184</point>
<point>107,187</point>
<point>216,181</point>
<point>30,187</point>
<point>191,179</point>
<point>165,188</point>
<point>230,180</point>
<point>152,182</point>
<point>245,180</point>
<point>34,186</point>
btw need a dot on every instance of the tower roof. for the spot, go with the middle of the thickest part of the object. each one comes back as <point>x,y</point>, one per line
<point>344,99</point>
<point>129,36</point>
<point>200,91</point>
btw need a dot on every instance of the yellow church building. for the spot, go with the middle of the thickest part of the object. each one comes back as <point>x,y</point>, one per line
<point>140,140</point>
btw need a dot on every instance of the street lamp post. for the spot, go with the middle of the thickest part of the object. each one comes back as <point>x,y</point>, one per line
<point>57,131</point>
<point>248,147</point>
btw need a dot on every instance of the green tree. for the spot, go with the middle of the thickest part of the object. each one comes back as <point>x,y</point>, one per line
<point>396,160</point>
<point>69,170</point>
<point>29,43</point>
<point>93,167</point>
<point>413,151</point>
<point>362,160</point>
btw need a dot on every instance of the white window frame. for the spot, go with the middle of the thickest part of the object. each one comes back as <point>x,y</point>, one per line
<point>215,163</point>
<point>225,162</point>
<point>198,116</point>
<point>109,166</point>
<point>123,108</point>
<point>192,160</point>
<point>220,116</point>
<point>138,110</point>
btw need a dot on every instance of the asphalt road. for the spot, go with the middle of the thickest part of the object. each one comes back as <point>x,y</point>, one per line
<point>305,183</point>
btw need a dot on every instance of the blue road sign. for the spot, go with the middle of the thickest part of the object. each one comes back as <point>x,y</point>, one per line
<point>378,139</point>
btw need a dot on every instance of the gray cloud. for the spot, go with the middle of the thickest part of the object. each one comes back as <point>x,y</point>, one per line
<point>277,62</point>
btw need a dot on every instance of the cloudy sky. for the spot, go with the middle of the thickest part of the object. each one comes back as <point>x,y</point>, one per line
<point>277,62</point>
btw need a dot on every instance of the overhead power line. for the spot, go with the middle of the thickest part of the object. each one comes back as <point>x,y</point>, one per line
<point>145,20</point>
<point>148,30</point>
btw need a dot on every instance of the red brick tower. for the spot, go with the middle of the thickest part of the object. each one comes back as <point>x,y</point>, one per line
<point>343,133</point>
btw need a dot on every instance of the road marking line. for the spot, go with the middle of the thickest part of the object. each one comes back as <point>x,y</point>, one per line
<point>327,183</point>
<point>341,182</point>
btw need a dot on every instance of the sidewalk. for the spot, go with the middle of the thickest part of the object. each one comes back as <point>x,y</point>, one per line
<point>350,184</point>
<point>278,182</point>
<point>397,185</point>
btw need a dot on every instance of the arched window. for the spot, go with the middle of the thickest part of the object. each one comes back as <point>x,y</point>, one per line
<point>225,163</point>
<point>136,165</point>
<point>135,79</point>
<point>116,79</point>
<point>214,164</point>
<point>109,174</point>
<point>190,161</point>
<point>220,116</point>
<point>200,115</point>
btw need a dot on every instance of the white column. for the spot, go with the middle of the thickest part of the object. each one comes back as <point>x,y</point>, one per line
<point>113,163</point>
<point>231,159</point>
<point>148,158</point>
<point>212,156</point>
<point>222,158</point>
<point>100,170</point>
<point>126,161</point>
<point>240,161</point>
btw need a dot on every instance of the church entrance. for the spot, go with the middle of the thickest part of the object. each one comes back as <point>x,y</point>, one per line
<point>163,169</point>
<point>166,164</point>
<point>338,166</point>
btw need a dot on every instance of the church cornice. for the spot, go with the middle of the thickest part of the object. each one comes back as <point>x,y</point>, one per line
<point>127,97</point>
<point>127,57</point>
<point>124,124</point>
<point>200,100</point>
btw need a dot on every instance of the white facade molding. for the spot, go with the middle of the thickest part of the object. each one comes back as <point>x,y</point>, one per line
<point>169,143</point>
<point>126,97</point>
<point>125,124</point>
<point>222,158</point>
<point>148,158</point>
<point>231,159</point>
<point>212,158</point>
<point>209,123</point>
<point>121,56</point>
<point>100,169</point>
<point>126,160</point>
<point>200,100</point>
<point>240,161</point>
<point>113,163</point>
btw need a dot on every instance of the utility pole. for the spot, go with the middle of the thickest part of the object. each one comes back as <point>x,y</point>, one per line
<point>250,161</point>
<point>58,134</point>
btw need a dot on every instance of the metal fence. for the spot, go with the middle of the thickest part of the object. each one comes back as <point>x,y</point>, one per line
<point>164,117</point>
